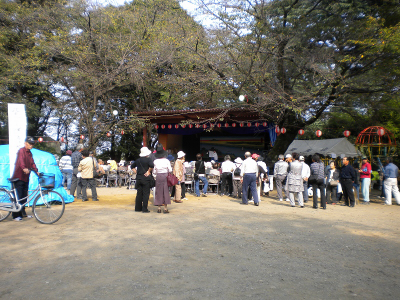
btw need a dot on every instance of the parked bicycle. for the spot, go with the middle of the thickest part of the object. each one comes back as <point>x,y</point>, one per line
<point>48,205</point>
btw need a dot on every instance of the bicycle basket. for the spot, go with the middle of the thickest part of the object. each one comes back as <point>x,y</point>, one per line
<point>47,181</point>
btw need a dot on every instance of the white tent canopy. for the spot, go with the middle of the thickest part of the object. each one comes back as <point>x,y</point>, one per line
<point>324,147</point>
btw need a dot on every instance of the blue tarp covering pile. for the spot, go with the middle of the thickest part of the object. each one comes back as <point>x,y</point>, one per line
<point>45,162</point>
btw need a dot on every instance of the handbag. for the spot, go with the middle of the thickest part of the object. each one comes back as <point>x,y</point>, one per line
<point>152,181</point>
<point>334,182</point>
<point>172,180</point>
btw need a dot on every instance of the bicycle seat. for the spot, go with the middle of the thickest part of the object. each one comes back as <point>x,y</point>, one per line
<point>12,179</point>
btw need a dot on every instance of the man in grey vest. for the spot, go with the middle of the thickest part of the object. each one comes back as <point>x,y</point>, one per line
<point>280,173</point>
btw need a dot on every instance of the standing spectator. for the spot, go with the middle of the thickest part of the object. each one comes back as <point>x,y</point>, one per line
<point>264,176</point>
<point>144,167</point>
<point>356,183</point>
<point>66,168</point>
<point>294,181</point>
<point>318,175</point>
<point>280,173</point>
<point>179,173</point>
<point>365,176</point>
<point>227,168</point>
<point>86,167</point>
<point>347,178</point>
<point>76,183</point>
<point>161,168</point>
<point>200,170</point>
<point>23,166</point>
<point>390,182</point>
<point>306,174</point>
<point>214,177</point>
<point>332,180</point>
<point>237,185</point>
<point>248,175</point>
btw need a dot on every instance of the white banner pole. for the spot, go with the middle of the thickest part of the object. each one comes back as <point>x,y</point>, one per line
<point>17,126</point>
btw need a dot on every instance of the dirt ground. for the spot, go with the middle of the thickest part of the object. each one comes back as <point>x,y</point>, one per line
<point>206,248</point>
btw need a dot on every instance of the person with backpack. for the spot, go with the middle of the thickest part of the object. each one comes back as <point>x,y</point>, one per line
<point>237,185</point>
<point>227,167</point>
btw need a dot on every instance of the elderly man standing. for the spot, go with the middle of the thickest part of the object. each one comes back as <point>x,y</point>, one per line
<point>347,178</point>
<point>390,182</point>
<point>248,177</point>
<point>306,172</point>
<point>86,167</point>
<point>76,158</point>
<point>280,173</point>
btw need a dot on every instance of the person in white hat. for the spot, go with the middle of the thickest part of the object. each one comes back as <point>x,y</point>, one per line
<point>178,171</point>
<point>144,166</point>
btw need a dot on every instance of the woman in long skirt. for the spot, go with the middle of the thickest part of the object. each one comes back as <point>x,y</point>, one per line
<point>161,168</point>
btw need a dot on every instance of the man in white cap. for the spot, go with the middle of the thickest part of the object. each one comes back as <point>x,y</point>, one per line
<point>305,174</point>
<point>180,174</point>
<point>280,173</point>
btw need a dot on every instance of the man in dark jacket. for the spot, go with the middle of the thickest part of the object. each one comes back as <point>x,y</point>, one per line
<point>347,178</point>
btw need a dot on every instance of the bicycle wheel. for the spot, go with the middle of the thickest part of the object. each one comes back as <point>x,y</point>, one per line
<point>6,200</point>
<point>48,208</point>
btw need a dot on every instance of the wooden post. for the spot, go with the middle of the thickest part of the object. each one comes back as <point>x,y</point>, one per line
<point>144,136</point>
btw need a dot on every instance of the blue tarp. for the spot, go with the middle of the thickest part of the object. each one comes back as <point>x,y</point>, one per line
<point>45,162</point>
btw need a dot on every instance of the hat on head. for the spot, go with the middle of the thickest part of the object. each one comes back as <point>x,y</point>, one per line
<point>255,156</point>
<point>144,151</point>
<point>30,140</point>
<point>160,152</point>
<point>364,157</point>
<point>301,158</point>
<point>69,152</point>
<point>238,160</point>
<point>288,156</point>
<point>181,154</point>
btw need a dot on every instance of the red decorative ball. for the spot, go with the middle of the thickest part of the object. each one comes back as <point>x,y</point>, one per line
<point>162,126</point>
<point>40,139</point>
<point>176,126</point>
<point>226,124</point>
<point>301,132</point>
<point>219,125</point>
<point>190,125</point>
<point>62,140</point>
<point>248,124</point>
<point>381,132</point>
<point>265,124</point>
<point>233,124</point>
<point>277,129</point>
<point>122,132</point>
<point>346,133</point>
<point>169,126</point>
<point>318,133</point>
<point>108,134</point>
<point>183,126</point>
<point>82,137</point>
<point>257,124</point>
<point>156,126</point>
<point>197,125</point>
<point>212,125</point>
<point>283,130</point>
<point>241,124</point>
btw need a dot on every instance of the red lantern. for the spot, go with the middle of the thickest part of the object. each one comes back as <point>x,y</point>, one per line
<point>62,140</point>
<point>122,132</point>
<point>190,125</point>
<point>197,125</point>
<point>346,133</point>
<point>318,133</point>
<point>204,126</point>
<point>219,125</point>
<point>162,126</point>
<point>211,125</point>
<point>241,124</point>
<point>169,126</point>
<point>108,134</point>
<point>40,139</point>
<point>301,132</point>
<point>183,126</point>
<point>233,124</point>
<point>265,124</point>
<point>257,124</point>
<point>156,126</point>
<point>82,137</point>
<point>283,130</point>
<point>277,129</point>
<point>176,126</point>
<point>381,132</point>
<point>248,124</point>
<point>226,124</point>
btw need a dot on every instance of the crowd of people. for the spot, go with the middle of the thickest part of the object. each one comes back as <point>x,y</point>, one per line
<point>247,179</point>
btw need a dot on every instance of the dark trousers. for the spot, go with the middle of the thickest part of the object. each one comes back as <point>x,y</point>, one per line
<point>226,177</point>
<point>305,192</point>
<point>22,192</point>
<point>347,187</point>
<point>331,190</point>
<point>91,183</point>
<point>183,190</point>
<point>76,184</point>
<point>249,182</point>
<point>319,184</point>
<point>142,194</point>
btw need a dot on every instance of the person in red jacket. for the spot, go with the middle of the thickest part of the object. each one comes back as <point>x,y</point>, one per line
<point>365,177</point>
<point>23,167</point>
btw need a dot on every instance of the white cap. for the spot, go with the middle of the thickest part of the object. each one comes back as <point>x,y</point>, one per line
<point>181,154</point>
<point>301,158</point>
<point>144,151</point>
<point>288,156</point>
<point>238,160</point>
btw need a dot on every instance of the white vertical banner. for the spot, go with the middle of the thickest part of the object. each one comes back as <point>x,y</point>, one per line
<point>17,126</point>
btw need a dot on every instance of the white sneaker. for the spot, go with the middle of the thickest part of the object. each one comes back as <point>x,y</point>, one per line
<point>18,219</point>
<point>251,202</point>
<point>185,198</point>
<point>280,199</point>
<point>287,199</point>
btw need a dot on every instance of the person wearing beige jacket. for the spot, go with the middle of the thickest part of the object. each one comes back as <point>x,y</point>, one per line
<point>86,166</point>
<point>178,172</point>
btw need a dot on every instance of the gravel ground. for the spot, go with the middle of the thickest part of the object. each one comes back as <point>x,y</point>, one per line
<point>206,248</point>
